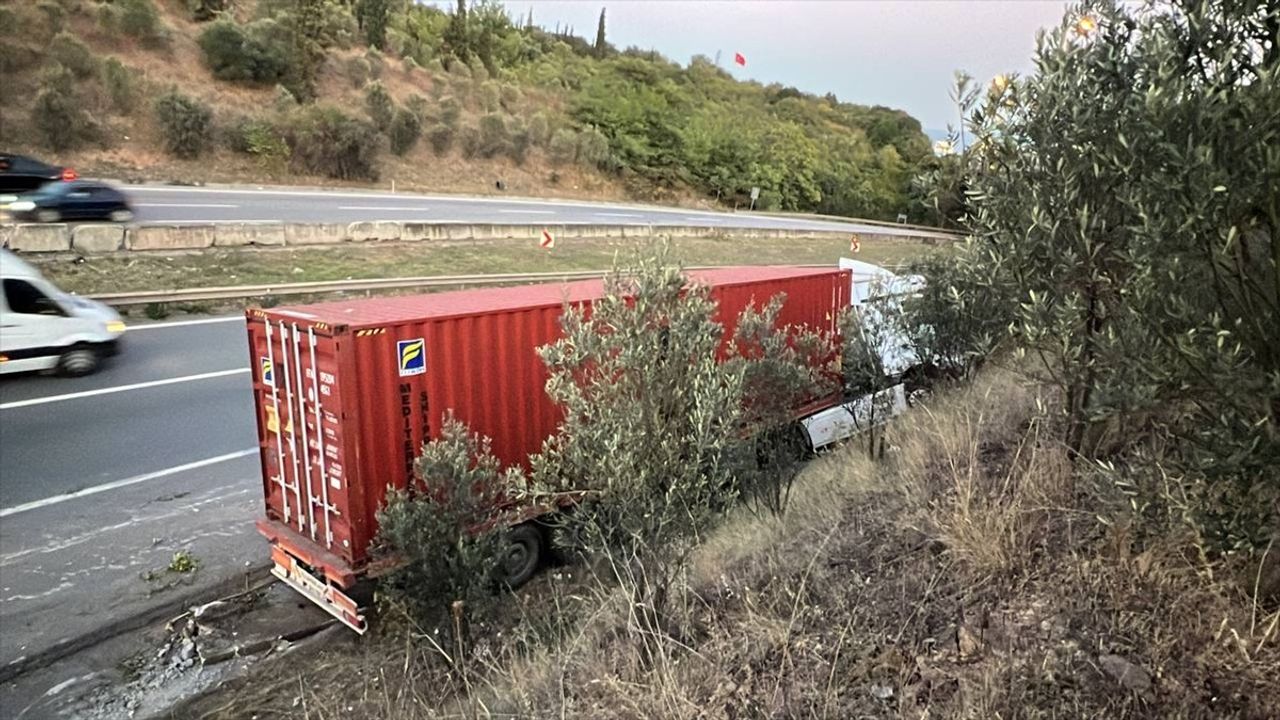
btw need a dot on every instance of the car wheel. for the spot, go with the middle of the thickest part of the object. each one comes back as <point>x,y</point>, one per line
<point>522,555</point>
<point>121,216</point>
<point>79,360</point>
<point>48,216</point>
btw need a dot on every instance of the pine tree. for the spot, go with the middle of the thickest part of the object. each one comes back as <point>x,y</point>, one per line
<point>601,46</point>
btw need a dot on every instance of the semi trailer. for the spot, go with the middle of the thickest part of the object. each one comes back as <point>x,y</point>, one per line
<point>347,392</point>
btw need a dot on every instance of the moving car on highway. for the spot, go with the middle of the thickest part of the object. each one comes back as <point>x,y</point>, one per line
<point>75,200</point>
<point>19,174</point>
<point>44,328</point>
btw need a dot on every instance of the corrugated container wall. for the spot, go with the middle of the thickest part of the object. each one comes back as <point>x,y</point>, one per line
<point>347,392</point>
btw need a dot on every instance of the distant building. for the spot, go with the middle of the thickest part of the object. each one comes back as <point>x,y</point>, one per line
<point>943,147</point>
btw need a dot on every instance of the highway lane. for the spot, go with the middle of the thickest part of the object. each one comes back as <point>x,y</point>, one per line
<point>103,478</point>
<point>58,448</point>
<point>148,352</point>
<point>68,569</point>
<point>61,435</point>
<point>159,204</point>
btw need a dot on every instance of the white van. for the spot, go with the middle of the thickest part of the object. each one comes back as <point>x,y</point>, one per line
<point>43,328</point>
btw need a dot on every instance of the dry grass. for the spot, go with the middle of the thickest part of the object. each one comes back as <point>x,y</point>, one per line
<point>966,576</point>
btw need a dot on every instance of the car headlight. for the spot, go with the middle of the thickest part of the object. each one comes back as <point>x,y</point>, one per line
<point>22,206</point>
<point>115,326</point>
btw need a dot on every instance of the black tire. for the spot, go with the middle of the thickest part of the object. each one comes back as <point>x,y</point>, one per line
<point>521,556</point>
<point>78,360</point>
<point>783,446</point>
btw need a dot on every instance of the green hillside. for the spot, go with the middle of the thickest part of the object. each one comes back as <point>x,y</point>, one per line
<point>379,90</point>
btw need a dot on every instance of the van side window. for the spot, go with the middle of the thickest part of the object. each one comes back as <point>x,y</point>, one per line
<point>24,298</point>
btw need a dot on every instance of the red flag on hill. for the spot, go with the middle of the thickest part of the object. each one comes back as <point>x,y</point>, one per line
<point>740,59</point>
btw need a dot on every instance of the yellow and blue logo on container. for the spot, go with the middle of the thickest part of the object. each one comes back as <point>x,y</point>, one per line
<point>413,356</point>
<point>268,374</point>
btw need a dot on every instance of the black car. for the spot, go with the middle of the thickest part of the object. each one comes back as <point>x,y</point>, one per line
<point>19,174</point>
<point>74,200</point>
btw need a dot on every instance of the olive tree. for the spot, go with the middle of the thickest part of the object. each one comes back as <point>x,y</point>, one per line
<point>442,533</point>
<point>650,429</point>
<point>782,368</point>
<point>1125,234</point>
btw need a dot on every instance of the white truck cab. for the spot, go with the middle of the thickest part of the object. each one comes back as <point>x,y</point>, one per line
<point>876,296</point>
<point>44,328</point>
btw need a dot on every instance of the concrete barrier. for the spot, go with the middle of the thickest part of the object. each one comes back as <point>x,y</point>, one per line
<point>97,238</point>
<point>373,230</point>
<point>240,234</point>
<point>171,237</point>
<point>319,234</point>
<point>40,238</point>
<point>524,233</point>
<point>433,232</point>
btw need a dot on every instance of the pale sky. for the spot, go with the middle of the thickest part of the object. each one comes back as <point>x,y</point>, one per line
<point>872,52</point>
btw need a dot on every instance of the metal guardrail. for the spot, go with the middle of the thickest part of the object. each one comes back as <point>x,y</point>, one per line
<point>145,297</point>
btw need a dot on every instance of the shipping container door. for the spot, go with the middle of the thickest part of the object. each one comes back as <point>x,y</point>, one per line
<point>300,426</point>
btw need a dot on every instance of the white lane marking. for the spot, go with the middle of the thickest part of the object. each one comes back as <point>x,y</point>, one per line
<point>119,388</point>
<point>65,543</point>
<point>704,219</point>
<point>142,189</point>
<point>182,323</point>
<point>604,214</point>
<point>528,212</point>
<point>56,689</point>
<point>400,208</point>
<point>117,484</point>
<point>57,588</point>
<point>220,221</point>
<point>217,221</point>
<point>186,205</point>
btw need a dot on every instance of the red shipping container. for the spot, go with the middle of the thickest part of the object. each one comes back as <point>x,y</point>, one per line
<point>347,392</point>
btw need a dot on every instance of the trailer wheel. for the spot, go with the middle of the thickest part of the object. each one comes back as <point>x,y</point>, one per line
<point>522,555</point>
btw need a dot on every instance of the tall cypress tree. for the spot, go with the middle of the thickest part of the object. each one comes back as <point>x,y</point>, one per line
<point>372,17</point>
<point>601,46</point>
<point>456,40</point>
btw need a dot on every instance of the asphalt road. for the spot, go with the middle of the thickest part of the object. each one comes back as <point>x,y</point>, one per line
<point>161,204</point>
<point>104,478</point>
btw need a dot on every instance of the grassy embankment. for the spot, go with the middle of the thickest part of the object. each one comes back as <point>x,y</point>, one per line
<point>975,572</point>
